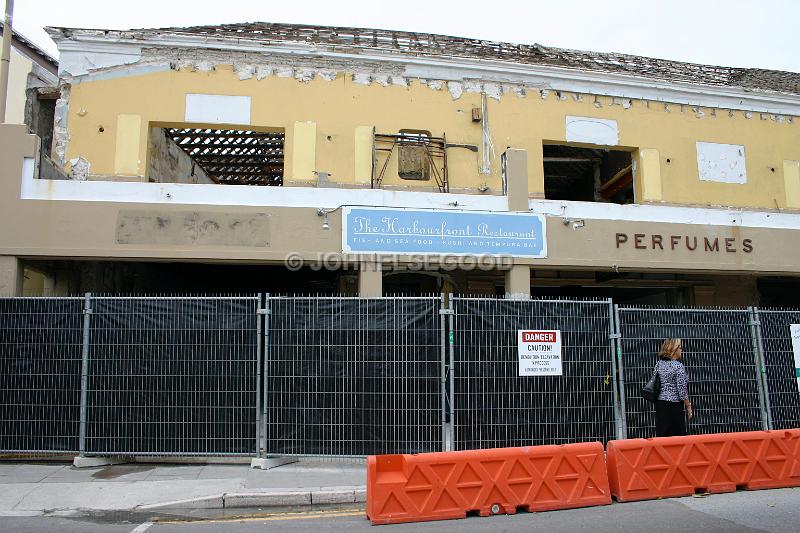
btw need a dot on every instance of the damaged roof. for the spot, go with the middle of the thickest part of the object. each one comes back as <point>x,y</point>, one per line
<point>432,45</point>
<point>44,57</point>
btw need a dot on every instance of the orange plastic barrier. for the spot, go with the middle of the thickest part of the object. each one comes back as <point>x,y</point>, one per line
<point>445,485</point>
<point>645,469</point>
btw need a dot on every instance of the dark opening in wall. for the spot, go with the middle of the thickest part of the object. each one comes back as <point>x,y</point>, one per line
<point>588,174</point>
<point>778,292</point>
<point>226,157</point>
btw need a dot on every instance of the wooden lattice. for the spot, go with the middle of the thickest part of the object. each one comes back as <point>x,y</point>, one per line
<point>234,157</point>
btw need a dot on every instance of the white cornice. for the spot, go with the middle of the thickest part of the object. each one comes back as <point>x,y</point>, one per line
<point>454,68</point>
<point>315,198</point>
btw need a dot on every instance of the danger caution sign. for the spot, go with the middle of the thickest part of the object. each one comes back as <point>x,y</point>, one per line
<point>539,352</point>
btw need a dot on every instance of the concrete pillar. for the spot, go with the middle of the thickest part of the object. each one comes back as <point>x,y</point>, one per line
<point>11,276</point>
<point>517,179</point>
<point>370,280</point>
<point>518,278</point>
<point>518,282</point>
<point>49,287</point>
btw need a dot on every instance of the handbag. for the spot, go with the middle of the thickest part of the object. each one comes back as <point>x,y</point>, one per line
<point>652,388</point>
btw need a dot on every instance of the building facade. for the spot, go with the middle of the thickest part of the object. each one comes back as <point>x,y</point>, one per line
<point>263,156</point>
<point>30,68</point>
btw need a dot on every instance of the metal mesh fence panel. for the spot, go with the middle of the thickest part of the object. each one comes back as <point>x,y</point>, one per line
<point>718,353</point>
<point>40,374</point>
<point>779,366</point>
<point>352,376</point>
<point>173,376</point>
<point>495,407</point>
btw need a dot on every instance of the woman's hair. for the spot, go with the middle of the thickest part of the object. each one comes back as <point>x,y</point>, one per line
<point>669,348</point>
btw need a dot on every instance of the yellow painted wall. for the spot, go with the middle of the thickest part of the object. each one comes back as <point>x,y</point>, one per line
<point>340,108</point>
<point>18,70</point>
<point>304,151</point>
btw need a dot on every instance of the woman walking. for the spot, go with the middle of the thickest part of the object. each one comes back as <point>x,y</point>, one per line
<point>674,395</point>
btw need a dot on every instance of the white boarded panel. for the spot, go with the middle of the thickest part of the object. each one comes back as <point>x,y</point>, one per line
<point>217,109</point>
<point>724,163</point>
<point>592,130</point>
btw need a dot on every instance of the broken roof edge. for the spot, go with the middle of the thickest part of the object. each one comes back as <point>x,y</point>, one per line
<point>408,44</point>
<point>34,49</point>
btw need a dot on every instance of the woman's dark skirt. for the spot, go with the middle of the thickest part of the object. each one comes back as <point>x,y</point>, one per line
<point>670,420</point>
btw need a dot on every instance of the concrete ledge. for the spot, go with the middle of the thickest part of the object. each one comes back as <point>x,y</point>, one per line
<point>333,496</point>
<point>206,502</point>
<point>271,462</point>
<point>94,462</point>
<point>266,499</point>
<point>192,460</point>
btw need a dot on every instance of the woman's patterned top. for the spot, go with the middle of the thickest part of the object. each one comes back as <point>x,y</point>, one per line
<point>674,381</point>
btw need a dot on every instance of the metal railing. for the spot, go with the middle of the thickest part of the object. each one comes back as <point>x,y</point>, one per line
<point>348,377</point>
<point>351,377</point>
<point>720,357</point>
<point>492,406</point>
<point>778,366</point>
<point>172,376</point>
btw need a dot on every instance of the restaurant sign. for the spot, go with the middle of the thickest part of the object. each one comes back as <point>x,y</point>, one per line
<point>418,231</point>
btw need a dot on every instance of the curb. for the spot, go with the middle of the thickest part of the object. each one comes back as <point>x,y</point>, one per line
<point>239,500</point>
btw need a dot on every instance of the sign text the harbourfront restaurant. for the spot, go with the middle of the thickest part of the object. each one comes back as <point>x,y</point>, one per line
<point>416,231</point>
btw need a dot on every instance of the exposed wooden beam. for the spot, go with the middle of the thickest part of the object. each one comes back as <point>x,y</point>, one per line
<point>616,177</point>
<point>567,159</point>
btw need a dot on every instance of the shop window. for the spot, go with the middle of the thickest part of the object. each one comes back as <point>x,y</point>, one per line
<point>588,174</point>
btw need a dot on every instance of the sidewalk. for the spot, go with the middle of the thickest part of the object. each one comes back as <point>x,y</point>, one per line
<point>36,488</point>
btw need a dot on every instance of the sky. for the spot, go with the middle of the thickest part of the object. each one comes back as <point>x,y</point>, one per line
<point>736,33</point>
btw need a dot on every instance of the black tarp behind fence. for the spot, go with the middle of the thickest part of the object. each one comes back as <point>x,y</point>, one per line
<point>352,376</point>
<point>718,352</point>
<point>40,374</point>
<point>347,376</point>
<point>779,366</point>
<point>495,407</point>
<point>172,376</point>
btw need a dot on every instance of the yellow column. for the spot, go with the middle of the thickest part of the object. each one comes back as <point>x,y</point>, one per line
<point>791,180</point>
<point>518,278</point>
<point>535,172</point>
<point>649,170</point>
<point>363,154</point>
<point>517,179</point>
<point>370,280</point>
<point>11,276</point>
<point>304,151</point>
<point>126,153</point>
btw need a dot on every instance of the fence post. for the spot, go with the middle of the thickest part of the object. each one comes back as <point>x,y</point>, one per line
<point>87,313</point>
<point>623,409</point>
<point>443,371</point>
<point>259,342</point>
<point>451,342</point>
<point>266,310</point>
<point>761,370</point>
<point>614,336</point>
